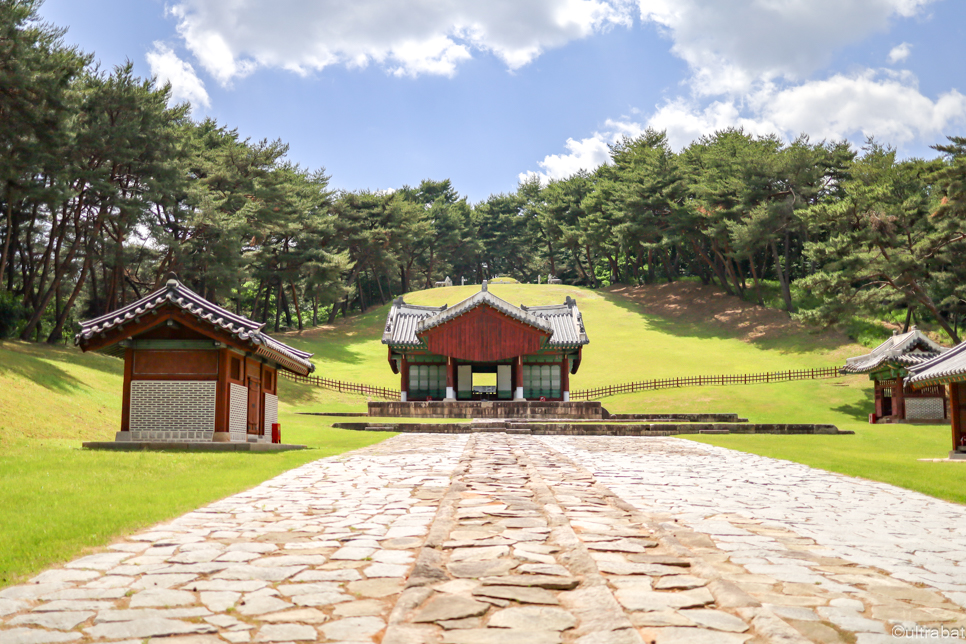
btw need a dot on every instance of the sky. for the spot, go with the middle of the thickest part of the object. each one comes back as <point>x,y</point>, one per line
<point>386,93</point>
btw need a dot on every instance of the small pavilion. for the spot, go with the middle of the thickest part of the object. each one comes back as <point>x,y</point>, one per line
<point>947,370</point>
<point>531,349</point>
<point>887,365</point>
<point>193,371</point>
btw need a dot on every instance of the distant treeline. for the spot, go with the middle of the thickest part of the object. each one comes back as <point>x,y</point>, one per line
<point>106,189</point>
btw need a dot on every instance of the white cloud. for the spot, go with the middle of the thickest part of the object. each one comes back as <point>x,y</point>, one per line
<point>586,154</point>
<point>899,53</point>
<point>185,84</point>
<point>232,38</point>
<point>730,44</point>
<point>887,106</point>
<point>753,65</point>
<point>891,108</point>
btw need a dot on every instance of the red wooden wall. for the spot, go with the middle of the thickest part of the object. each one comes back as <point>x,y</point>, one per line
<point>484,335</point>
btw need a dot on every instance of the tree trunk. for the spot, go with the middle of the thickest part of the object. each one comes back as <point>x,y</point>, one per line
<point>34,321</point>
<point>754,276</point>
<point>278,304</point>
<point>268,301</point>
<point>258,296</point>
<point>285,305</point>
<point>905,327</point>
<point>590,267</point>
<point>6,240</point>
<point>382,294</point>
<point>295,301</point>
<point>362,297</point>
<point>782,279</point>
<point>713,266</point>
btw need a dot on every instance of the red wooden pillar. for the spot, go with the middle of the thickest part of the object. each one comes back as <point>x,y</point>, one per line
<point>956,413</point>
<point>518,379</point>
<point>450,378</point>
<point>404,379</point>
<point>565,379</point>
<point>898,400</point>
<point>126,395</point>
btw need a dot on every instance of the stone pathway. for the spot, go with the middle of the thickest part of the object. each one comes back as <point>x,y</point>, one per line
<point>472,539</point>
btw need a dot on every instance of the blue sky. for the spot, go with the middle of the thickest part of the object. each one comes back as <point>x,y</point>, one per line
<point>384,93</point>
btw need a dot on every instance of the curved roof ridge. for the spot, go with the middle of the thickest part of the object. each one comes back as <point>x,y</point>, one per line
<point>892,349</point>
<point>475,300</point>
<point>946,365</point>
<point>179,295</point>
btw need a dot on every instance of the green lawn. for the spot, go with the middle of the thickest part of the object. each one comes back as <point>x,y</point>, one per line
<point>57,500</point>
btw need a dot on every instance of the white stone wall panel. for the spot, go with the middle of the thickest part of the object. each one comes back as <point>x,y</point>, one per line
<point>924,408</point>
<point>172,410</point>
<point>271,414</point>
<point>238,413</point>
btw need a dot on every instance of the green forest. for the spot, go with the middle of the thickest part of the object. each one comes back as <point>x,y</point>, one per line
<point>106,188</point>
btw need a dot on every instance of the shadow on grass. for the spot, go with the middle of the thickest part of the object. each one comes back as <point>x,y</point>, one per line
<point>859,410</point>
<point>33,363</point>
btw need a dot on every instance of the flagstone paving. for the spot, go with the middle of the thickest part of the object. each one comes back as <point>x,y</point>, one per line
<point>473,539</point>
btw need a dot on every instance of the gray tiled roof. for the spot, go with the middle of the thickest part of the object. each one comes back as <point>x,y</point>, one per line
<point>563,321</point>
<point>947,367</point>
<point>904,349</point>
<point>402,321</point>
<point>177,294</point>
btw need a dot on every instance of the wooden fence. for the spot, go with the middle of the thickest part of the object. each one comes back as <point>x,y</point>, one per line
<point>344,387</point>
<point>704,381</point>
<point>599,392</point>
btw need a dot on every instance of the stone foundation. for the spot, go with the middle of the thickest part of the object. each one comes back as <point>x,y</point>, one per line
<point>584,410</point>
<point>596,429</point>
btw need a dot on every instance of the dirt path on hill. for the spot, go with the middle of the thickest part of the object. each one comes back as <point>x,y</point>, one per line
<point>708,305</point>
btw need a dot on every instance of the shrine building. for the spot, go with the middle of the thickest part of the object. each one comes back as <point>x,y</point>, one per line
<point>887,366</point>
<point>947,370</point>
<point>531,349</point>
<point>193,371</point>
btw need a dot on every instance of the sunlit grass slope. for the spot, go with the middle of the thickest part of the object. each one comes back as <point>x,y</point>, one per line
<point>57,500</point>
<point>628,342</point>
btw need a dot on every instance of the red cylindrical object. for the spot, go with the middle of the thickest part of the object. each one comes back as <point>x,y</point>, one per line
<point>276,433</point>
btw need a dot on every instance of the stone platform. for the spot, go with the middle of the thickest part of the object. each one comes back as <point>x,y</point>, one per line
<point>594,429</point>
<point>499,539</point>
<point>527,409</point>
<point>135,446</point>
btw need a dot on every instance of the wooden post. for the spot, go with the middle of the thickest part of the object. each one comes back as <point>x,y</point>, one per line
<point>126,395</point>
<point>956,413</point>
<point>450,379</point>
<point>565,379</point>
<point>898,400</point>
<point>518,378</point>
<point>404,379</point>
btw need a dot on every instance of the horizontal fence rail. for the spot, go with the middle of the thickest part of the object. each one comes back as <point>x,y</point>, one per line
<point>705,381</point>
<point>344,387</point>
<point>598,392</point>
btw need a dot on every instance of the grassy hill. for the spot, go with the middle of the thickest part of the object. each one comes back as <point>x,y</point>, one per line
<point>57,500</point>
<point>711,335</point>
